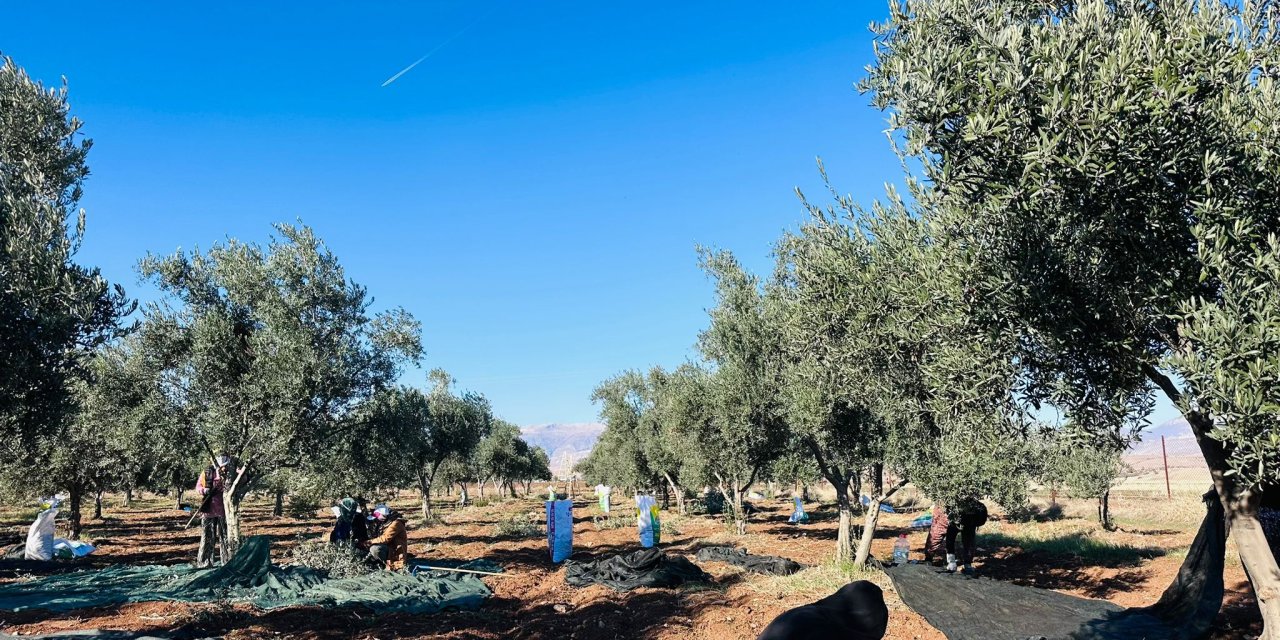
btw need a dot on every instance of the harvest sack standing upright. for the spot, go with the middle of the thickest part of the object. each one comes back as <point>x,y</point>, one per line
<point>647,521</point>
<point>560,529</point>
<point>603,491</point>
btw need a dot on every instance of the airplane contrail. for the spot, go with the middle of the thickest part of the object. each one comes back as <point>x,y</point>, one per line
<point>439,46</point>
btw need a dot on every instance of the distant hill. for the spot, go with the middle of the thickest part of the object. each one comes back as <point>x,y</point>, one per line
<point>1179,442</point>
<point>565,443</point>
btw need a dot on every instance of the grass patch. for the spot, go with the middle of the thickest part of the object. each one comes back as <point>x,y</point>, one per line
<point>818,582</point>
<point>516,527</point>
<point>673,526</point>
<point>606,522</point>
<point>1084,544</point>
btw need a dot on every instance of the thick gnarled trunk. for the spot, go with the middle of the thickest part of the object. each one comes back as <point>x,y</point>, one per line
<point>232,495</point>
<point>844,532</point>
<point>1241,507</point>
<point>75,499</point>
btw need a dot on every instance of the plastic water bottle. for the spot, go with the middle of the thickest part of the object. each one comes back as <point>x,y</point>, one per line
<point>901,549</point>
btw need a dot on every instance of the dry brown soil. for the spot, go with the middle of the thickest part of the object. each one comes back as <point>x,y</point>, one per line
<point>533,600</point>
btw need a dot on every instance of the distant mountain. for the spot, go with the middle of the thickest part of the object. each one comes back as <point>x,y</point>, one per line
<point>1179,443</point>
<point>566,444</point>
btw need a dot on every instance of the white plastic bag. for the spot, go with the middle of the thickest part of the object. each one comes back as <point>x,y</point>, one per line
<point>647,521</point>
<point>602,492</point>
<point>40,536</point>
<point>71,548</point>
<point>560,529</point>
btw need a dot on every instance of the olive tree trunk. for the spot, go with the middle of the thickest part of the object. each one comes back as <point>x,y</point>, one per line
<point>73,516</point>
<point>871,520</point>
<point>1104,509</point>
<point>1241,507</point>
<point>232,495</point>
<point>677,491</point>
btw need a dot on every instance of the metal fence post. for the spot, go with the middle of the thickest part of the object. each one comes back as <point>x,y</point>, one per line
<point>1168,492</point>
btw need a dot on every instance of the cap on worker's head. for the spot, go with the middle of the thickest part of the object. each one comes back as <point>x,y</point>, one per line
<point>382,512</point>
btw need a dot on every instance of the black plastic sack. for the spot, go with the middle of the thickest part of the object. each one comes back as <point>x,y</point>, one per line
<point>767,565</point>
<point>644,568</point>
<point>855,612</point>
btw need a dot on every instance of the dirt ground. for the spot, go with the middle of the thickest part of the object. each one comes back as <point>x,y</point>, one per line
<point>1135,564</point>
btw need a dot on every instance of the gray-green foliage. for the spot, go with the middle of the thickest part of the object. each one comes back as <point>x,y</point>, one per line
<point>1085,469</point>
<point>884,367</point>
<point>832,343</point>
<point>642,447</point>
<point>432,428</point>
<point>122,434</point>
<point>336,560</point>
<point>506,457</point>
<point>1107,171</point>
<point>268,352</point>
<point>1115,162</point>
<point>620,455</point>
<point>742,426</point>
<point>53,311</point>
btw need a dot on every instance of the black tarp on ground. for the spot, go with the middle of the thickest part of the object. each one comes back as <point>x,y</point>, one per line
<point>768,565</point>
<point>627,571</point>
<point>967,608</point>
<point>855,612</point>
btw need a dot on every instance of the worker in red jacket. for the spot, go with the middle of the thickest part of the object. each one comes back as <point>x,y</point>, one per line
<point>213,516</point>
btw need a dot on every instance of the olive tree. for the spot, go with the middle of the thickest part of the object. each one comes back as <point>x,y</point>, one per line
<point>831,337</point>
<point>1087,472</point>
<point>444,425</point>
<point>621,460</point>
<point>1112,168</point>
<point>743,427</point>
<point>53,312</point>
<point>267,352</point>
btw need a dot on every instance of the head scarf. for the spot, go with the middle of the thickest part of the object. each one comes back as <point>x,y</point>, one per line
<point>347,509</point>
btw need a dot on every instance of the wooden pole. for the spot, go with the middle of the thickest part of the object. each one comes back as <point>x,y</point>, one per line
<point>1168,492</point>
<point>483,573</point>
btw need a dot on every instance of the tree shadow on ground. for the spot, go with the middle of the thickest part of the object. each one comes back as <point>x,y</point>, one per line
<point>614,615</point>
<point>1239,616</point>
<point>1069,562</point>
<point>1075,546</point>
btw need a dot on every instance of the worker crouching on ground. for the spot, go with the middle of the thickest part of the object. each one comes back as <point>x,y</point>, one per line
<point>391,545</point>
<point>352,526</point>
<point>213,518</point>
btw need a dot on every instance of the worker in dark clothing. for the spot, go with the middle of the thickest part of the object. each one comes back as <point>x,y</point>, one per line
<point>351,527</point>
<point>963,520</point>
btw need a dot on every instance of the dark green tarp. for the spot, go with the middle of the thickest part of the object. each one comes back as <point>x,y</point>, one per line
<point>248,577</point>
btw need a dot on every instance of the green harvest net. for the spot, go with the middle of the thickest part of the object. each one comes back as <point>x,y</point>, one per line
<point>250,577</point>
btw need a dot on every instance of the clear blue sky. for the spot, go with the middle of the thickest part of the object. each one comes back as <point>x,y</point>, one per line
<point>532,192</point>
